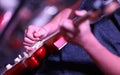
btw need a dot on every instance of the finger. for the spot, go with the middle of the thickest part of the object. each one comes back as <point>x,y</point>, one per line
<point>41,33</point>
<point>28,48</point>
<point>30,31</point>
<point>81,12</point>
<point>67,35</point>
<point>83,24</point>
<point>68,25</point>
<point>27,44</point>
<point>25,32</point>
<point>29,41</point>
<point>30,35</point>
<point>66,32</point>
<point>70,37</point>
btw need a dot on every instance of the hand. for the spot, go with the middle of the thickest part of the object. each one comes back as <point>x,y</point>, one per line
<point>76,35</point>
<point>32,35</point>
<point>35,33</point>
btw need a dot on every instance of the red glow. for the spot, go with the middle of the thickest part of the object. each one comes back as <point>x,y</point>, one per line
<point>32,62</point>
<point>40,53</point>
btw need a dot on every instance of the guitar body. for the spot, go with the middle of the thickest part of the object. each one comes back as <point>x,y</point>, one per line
<point>27,66</point>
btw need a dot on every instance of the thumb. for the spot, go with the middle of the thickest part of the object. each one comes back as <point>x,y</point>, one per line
<point>40,34</point>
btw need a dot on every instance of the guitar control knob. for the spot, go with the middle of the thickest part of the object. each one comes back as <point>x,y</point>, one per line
<point>19,56</point>
<point>9,66</point>
<point>16,60</point>
<point>25,54</point>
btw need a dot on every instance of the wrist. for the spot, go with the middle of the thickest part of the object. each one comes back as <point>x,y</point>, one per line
<point>90,43</point>
<point>87,40</point>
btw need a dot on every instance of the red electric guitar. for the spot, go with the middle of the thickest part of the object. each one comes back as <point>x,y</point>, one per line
<point>31,61</point>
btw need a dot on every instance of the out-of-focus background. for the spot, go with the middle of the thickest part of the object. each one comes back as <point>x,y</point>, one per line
<point>15,16</point>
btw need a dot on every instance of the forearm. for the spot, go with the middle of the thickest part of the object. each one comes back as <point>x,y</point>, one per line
<point>51,27</point>
<point>55,23</point>
<point>104,59</point>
